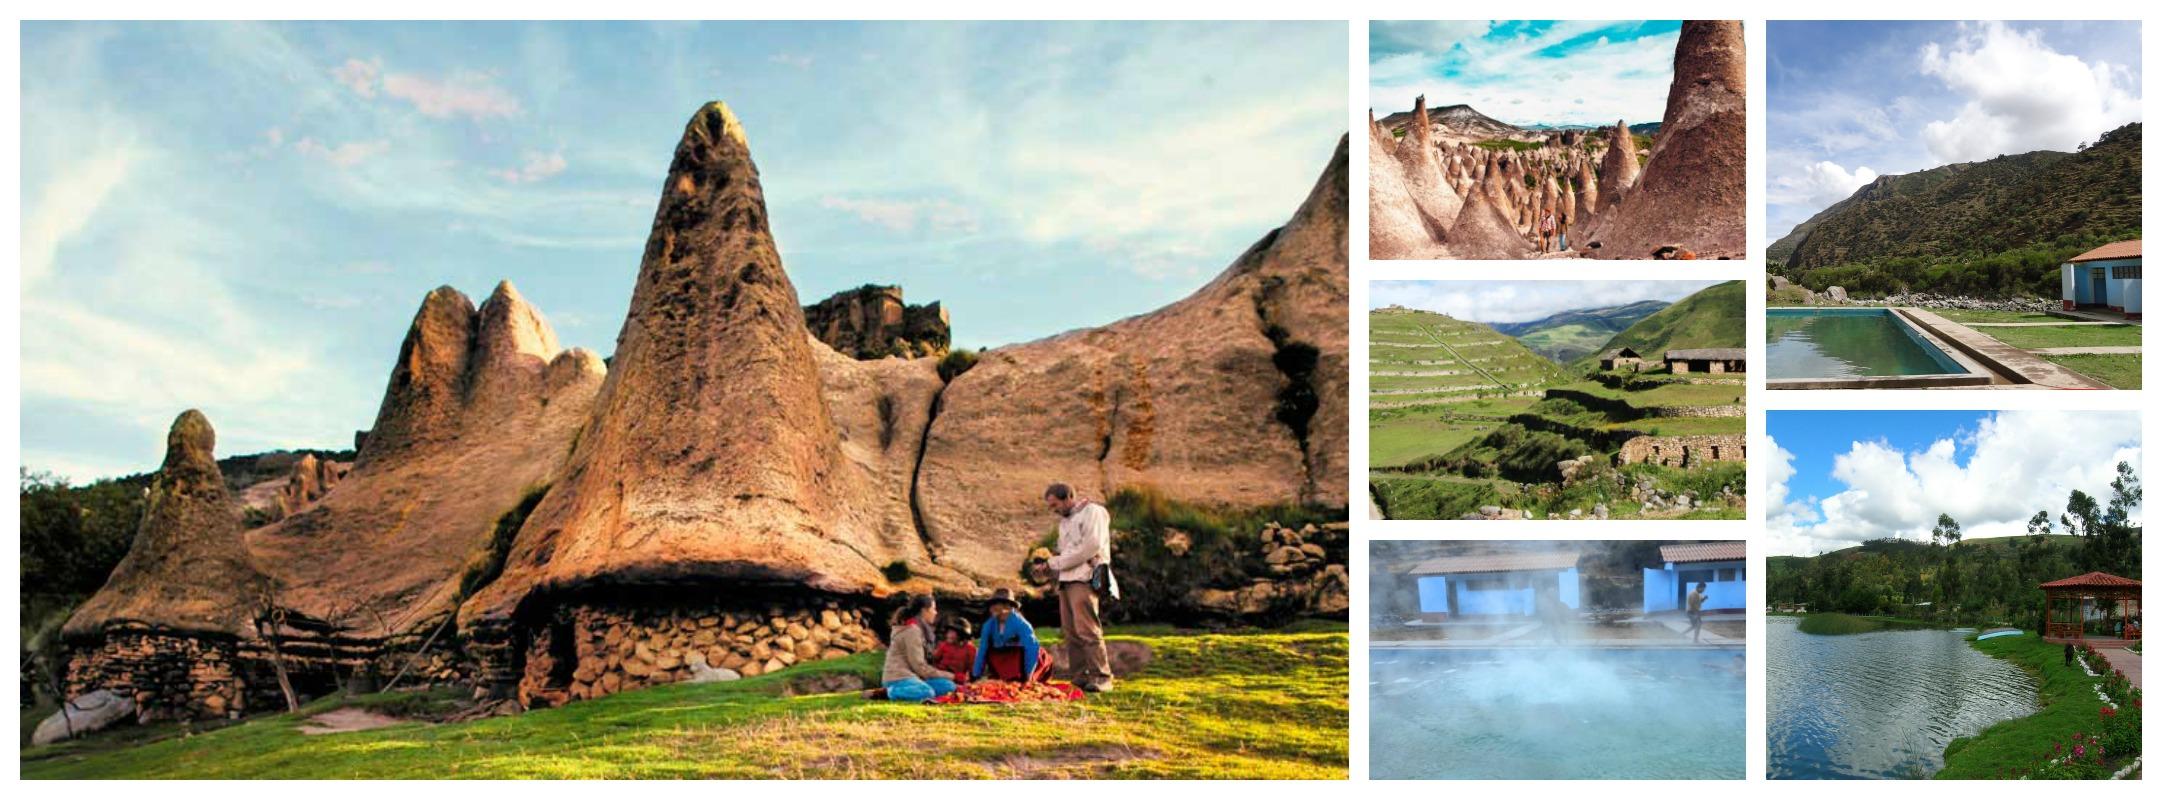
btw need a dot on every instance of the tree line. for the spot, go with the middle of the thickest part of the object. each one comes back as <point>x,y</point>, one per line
<point>1980,582</point>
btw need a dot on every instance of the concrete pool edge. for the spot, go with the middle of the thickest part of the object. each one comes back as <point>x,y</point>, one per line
<point>1623,644</point>
<point>2014,364</point>
<point>1976,373</point>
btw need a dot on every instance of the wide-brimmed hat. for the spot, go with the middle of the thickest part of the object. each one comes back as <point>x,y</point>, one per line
<point>1005,596</point>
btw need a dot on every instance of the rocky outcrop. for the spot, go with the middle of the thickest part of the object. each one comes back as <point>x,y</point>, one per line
<point>481,408</point>
<point>1235,395</point>
<point>1691,194</point>
<point>1481,228</point>
<point>1618,170</point>
<point>187,572</point>
<point>1395,228</point>
<point>711,454</point>
<point>310,479</point>
<point>874,322</point>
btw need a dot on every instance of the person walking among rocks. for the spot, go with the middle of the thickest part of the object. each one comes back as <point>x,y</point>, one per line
<point>1696,614</point>
<point>1546,232</point>
<point>1084,549</point>
<point>908,675</point>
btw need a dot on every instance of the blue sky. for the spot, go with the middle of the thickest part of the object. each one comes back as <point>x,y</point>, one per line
<point>1849,101</point>
<point>243,217</point>
<point>1521,301</point>
<point>1839,478</point>
<point>1552,72</point>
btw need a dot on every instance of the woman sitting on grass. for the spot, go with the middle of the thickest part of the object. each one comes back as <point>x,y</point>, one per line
<point>908,675</point>
<point>1008,650</point>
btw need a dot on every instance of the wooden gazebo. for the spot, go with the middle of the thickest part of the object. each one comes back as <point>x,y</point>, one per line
<point>2070,596</point>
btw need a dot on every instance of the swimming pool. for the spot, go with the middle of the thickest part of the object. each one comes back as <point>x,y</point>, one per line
<point>1586,713</point>
<point>1816,348</point>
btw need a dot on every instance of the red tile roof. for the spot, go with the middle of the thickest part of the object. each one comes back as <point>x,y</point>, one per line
<point>1704,551</point>
<point>2126,249</point>
<point>1496,562</point>
<point>2090,579</point>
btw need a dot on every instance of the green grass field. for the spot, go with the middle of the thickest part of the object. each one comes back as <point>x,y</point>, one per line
<point>2009,749</point>
<point>2068,336</point>
<point>1977,315</point>
<point>1262,704</point>
<point>1831,624</point>
<point>2121,371</point>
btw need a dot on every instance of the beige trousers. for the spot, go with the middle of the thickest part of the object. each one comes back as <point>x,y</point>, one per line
<point>1081,625</point>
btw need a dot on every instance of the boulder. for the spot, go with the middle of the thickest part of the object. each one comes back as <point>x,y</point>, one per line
<point>1482,231</point>
<point>87,713</point>
<point>1836,294</point>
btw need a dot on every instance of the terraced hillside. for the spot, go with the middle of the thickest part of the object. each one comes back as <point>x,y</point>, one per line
<point>1513,436</point>
<point>1424,358</point>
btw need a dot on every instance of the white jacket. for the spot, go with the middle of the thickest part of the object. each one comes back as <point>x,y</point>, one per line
<point>1084,540</point>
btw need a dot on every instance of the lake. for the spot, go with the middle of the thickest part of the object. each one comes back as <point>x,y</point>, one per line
<point>1882,704</point>
<point>1587,713</point>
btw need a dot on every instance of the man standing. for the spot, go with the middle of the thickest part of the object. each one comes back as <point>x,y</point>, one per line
<point>1696,613</point>
<point>1084,542</point>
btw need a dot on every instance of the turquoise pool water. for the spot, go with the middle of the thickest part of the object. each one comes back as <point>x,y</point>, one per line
<point>1587,713</point>
<point>1848,343</point>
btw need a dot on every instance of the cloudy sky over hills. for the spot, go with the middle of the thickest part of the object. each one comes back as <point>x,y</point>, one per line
<point>1849,101</point>
<point>1521,301</point>
<point>242,218</point>
<point>1839,478</point>
<point>1552,72</point>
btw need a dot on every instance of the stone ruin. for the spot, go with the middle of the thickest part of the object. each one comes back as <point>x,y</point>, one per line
<point>727,495</point>
<point>1684,451</point>
<point>874,322</point>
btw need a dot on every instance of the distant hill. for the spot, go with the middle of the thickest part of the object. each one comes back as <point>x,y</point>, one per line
<point>1978,208</point>
<point>1566,336</point>
<point>1461,119</point>
<point>1421,355</point>
<point>1712,317</point>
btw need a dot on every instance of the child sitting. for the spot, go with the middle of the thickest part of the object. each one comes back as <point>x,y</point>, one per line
<point>955,653</point>
<point>1008,650</point>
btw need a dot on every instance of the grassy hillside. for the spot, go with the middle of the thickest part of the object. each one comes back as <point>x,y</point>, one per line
<point>1569,335</point>
<point>1420,357</point>
<point>1713,317</point>
<point>1237,705</point>
<point>1923,225</point>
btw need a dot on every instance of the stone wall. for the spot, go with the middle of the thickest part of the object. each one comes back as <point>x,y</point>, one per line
<point>874,322</point>
<point>1684,451</point>
<point>596,649</point>
<point>170,677</point>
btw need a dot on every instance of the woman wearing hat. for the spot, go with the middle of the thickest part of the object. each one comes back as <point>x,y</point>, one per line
<point>1008,650</point>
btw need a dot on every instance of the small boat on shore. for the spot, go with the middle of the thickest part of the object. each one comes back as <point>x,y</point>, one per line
<point>1996,632</point>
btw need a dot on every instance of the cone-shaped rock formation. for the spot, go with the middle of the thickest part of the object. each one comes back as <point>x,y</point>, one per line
<point>1692,192</point>
<point>186,572</point>
<point>481,408</point>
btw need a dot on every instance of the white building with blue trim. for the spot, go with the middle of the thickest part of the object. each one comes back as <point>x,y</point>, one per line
<point>1496,585</point>
<point>2105,278</point>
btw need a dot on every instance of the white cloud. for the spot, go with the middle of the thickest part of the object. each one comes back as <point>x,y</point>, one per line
<point>461,94</point>
<point>905,216</point>
<point>537,167</point>
<point>2019,462</point>
<point>1522,301</point>
<point>2021,95</point>
<point>1818,185</point>
<point>1516,80</point>
<point>66,204</point>
<point>348,154</point>
<point>363,77</point>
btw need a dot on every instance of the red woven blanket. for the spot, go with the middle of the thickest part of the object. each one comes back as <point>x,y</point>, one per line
<point>1007,692</point>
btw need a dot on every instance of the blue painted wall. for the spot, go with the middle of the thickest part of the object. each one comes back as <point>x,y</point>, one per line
<point>1662,587</point>
<point>1434,595</point>
<point>1522,601</point>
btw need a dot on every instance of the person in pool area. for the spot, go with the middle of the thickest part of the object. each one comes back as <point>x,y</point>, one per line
<point>1696,613</point>
<point>955,653</point>
<point>908,675</point>
<point>1008,650</point>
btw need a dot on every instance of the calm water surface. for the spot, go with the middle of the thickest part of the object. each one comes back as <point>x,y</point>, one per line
<point>1563,713</point>
<point>1846,344</point>
<point>1879,705</point>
